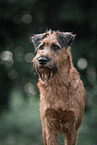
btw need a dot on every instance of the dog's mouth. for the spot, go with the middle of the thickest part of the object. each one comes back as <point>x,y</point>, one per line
<point>46,73</point>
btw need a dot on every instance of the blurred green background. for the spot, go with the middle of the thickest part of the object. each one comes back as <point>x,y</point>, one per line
<point>20,122</point>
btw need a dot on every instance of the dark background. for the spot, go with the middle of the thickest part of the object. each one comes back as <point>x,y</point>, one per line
<point>20,122</point>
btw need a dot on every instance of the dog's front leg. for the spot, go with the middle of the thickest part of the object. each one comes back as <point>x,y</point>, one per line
<point>71,138</point>
<point>50,136</point>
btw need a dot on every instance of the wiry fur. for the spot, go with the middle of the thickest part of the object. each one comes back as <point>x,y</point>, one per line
<point>62,97</point>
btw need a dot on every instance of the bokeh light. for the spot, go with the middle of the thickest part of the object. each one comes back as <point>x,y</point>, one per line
<point>82,63</point>
<point>29,57</point>
<point>12,74</point>
<point>7,58</point>
<point>27,18</point>
<point>91,73</point>
<point>29,89</point>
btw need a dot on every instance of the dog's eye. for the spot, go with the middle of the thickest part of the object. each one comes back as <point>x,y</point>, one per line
<point>55,47</point>
<point>41,47</point>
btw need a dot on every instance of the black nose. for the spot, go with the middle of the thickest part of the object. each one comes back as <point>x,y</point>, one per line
<point>43,60</point>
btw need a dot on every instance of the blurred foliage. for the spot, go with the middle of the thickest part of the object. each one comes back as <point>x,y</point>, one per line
<point>22,124</point>
<point>19,96</point>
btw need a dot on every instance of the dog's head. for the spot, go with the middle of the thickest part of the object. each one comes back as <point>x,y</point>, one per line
<point>51,50</point>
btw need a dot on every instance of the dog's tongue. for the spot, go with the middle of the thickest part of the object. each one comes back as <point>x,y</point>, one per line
<point>46,76</point>
<point>51,74</point>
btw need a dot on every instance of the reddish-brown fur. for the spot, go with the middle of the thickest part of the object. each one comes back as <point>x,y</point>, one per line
<point>62,97</point>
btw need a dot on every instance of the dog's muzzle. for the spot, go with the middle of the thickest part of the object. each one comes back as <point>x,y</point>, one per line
<point>45,71</point>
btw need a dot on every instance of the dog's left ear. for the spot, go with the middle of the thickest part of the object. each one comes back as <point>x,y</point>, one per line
<point>65,38</point>
<point>36,39</point>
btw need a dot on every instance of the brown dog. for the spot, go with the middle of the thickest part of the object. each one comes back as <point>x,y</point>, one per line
<point>62,94</point>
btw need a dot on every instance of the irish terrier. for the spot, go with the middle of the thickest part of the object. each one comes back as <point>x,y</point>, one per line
<point>62,94</point>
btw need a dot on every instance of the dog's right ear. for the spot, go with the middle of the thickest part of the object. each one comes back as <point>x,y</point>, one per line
<point>37,38</point>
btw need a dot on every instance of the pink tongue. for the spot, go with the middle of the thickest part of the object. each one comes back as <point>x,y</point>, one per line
<point>45,77</point>
<point>51,75</point>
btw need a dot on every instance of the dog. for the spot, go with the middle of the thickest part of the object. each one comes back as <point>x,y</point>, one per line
<point>62,94</point>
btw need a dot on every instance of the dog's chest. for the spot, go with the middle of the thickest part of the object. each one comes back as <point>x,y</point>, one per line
<point>55,97</point>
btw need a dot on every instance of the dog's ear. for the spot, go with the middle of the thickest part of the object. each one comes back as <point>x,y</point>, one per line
<point>65,38</point>
<point>37,38</point>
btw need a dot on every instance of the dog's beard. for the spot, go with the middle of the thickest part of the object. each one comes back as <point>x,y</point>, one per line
<point>46,73</point>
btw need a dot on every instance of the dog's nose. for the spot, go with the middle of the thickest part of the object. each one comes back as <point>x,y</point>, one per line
<point>43,60</point>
